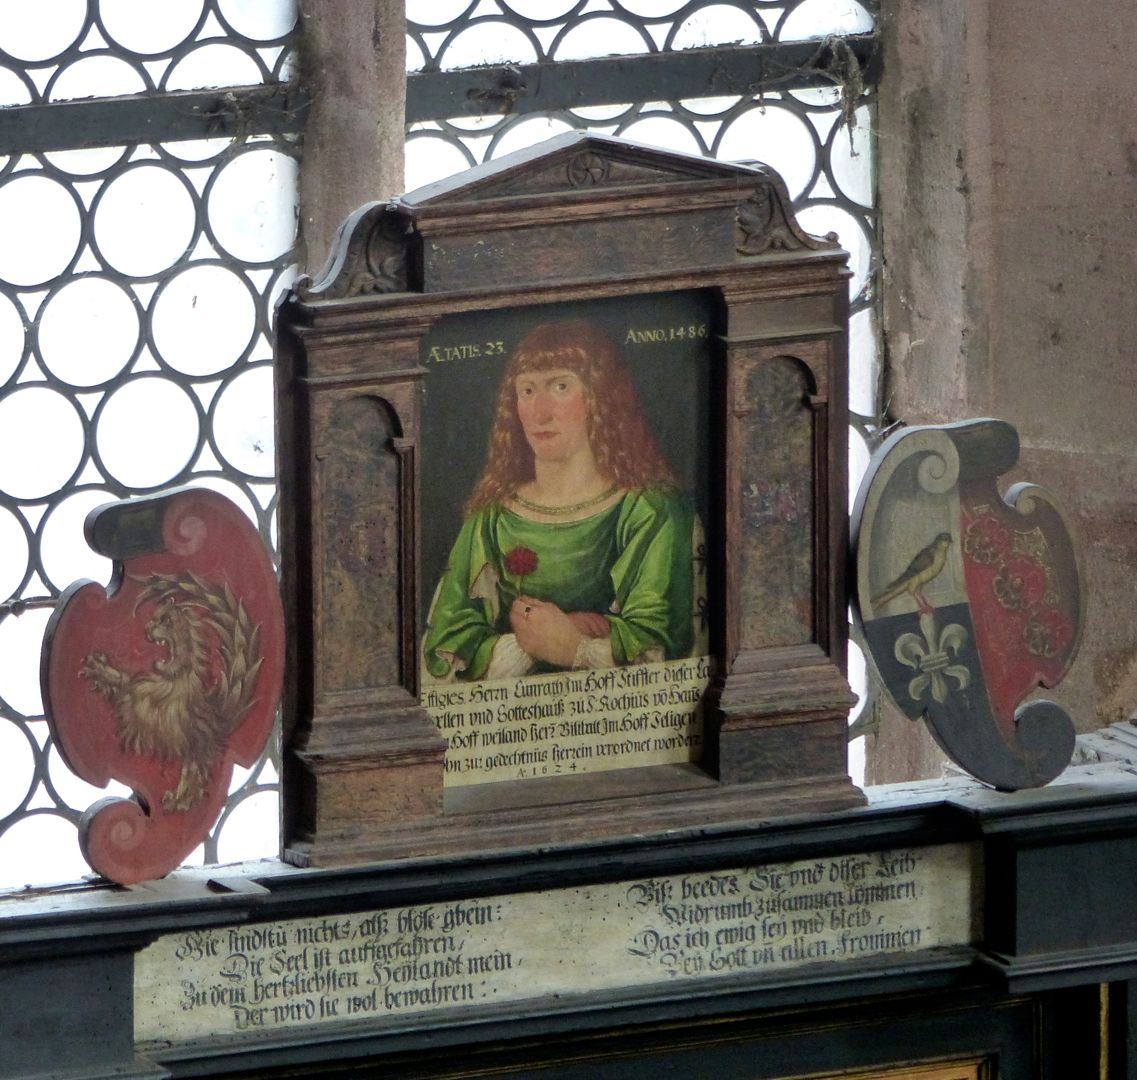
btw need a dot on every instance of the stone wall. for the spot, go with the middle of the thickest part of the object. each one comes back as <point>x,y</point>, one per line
<point>1008,169</point>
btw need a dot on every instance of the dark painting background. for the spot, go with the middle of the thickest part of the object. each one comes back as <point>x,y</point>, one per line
<point>672,377</point>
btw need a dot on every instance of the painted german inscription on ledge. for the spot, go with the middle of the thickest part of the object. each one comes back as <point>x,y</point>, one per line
<point>491,950</point>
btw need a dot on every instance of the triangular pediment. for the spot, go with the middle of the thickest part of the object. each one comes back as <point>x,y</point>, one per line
<point>566,194</point>
<point>573,160</point>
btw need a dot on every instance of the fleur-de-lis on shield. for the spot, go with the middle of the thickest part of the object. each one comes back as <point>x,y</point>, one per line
<point>932,658</point>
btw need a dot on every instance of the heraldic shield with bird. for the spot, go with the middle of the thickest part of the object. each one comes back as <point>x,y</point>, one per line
<point>969,600</point>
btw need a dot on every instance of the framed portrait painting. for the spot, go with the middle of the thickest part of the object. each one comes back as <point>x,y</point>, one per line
<point>563,525</point>
<point>565,616</point>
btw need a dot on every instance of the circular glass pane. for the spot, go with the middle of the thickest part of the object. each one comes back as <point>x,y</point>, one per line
<point>490,42</point>
<point>252,206</point>
<point>142,26</point>
<point>64,552</point>
<point>817,97</point>
<point>21,638</point>
<point>41,847</point>
<point>851,159</point>
<point>144,221</point>
<point>96,76</point>
<point>233,492</point>
<point>203,320</point>
<point>651,9</point>
<point>663,132</point>
<point>819,18</point>
<point>252,830</point>
<point>13,558</point>
<point>213,65</point>
<point>541,10</point>
<point>11,338</point>
<point>88,331</point>
<point>436,12</point>
<point>40,224</point>
<point>242,423</point>
<point>19,766</point>
<point>602,36</point>
<point>148,432</point>
<point>822,220</point>
<point>74,791</point>
<point>196,150</point>
<point>710,106</point>
<point>87,162</point>
<point>41,442</point>
<point>431,157</point>
<point>257,20</point>
<point>528,133</point>
<point>36,32</point>
<point>596,114</point>
<point>775,137</point>
<point>717,25</point>
<point>475,123</point>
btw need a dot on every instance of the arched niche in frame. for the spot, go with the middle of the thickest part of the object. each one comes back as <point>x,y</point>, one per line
<point>562,448</point>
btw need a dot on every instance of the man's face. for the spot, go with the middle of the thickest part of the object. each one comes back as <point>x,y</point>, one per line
<point>553,412</point>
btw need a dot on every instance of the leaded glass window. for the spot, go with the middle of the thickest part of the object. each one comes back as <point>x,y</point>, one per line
<point>137,280</point>
<point>138,274</point>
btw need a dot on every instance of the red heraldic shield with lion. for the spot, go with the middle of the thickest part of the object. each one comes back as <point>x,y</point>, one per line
<point>168,678</point>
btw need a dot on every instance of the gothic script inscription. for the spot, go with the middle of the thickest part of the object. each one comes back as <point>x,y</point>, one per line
<point>570,722</point>
<point>489,950</point>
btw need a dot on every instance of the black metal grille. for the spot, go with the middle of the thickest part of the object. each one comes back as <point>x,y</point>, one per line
<point>788,82</point>
<point>148,229</point>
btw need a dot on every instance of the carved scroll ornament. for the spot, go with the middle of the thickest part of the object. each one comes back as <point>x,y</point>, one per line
<point>766,223</point>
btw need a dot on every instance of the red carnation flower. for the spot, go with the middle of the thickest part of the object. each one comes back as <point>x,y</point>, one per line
<point>520,562</point>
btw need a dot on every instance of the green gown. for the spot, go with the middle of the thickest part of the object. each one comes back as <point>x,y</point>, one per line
<point>632,562</point>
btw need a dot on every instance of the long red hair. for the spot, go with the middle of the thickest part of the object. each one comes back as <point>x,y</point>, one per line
<point>618,433</point>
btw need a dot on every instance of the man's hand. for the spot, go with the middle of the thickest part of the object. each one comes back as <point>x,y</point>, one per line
<point>591,623</point>
<point>547,633</point>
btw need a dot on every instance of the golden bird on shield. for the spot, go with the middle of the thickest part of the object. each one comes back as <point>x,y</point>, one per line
<point>925,567</point>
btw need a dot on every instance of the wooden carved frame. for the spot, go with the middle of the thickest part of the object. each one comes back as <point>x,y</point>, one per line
<point>364,762</point>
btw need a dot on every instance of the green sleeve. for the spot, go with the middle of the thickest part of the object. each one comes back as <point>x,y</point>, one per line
<point>653,576</point>
<point>461,632</point>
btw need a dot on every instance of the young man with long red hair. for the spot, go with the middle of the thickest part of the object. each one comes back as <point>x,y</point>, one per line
<point>577,548</point>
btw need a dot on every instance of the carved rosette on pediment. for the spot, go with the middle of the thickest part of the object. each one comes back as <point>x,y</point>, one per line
<point>766,222</point>
<point>575,160</point>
